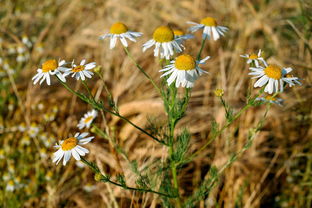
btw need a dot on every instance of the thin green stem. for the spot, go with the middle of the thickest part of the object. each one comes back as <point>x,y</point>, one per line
<point>201,48</point>
<point>219,132</point>
<point>141,69</point>
<point>99,106</point>
<point>87,88</point>
<point>104,178</point>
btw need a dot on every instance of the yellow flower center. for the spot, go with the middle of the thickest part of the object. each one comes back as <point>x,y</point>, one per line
<point>78,68</point>
<point>69,143</point>
<point>178,32</point>
<point>88,119</point>
<point>118,28</point>
<point>219,92</point>
<point>253,56</point>
<point>273,71</point>
<point>49,65</point>
<point>185,62</point>
<point>269,97</point>
<point>11,183</point>
<point>209,21</point>
<point>163,34</point>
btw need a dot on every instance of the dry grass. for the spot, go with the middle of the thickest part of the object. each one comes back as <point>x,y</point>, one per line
<point>274,172</point>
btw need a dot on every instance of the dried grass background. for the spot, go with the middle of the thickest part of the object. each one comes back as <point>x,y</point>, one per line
<point>274,172</point>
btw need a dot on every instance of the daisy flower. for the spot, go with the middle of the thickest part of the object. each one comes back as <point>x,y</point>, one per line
<point>254,58</point>
<point>81,71</point>
<point>210,27</point>
<point>292,80</point>
<point>87,119</point>
<point>10,186</point>
<point>271,99</point>
<point>165,43</point>
<point>120,31</point>
<point>184,70</point>
<point>50,67</point>
<point>180,36</point>
<point>71,146</point>
<point>273,77</point>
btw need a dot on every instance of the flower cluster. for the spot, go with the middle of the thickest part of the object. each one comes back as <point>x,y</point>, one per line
<point>61,70</point>
<point>270,76</point>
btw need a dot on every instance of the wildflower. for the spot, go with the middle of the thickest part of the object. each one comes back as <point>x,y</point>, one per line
<point>219,92</point>
<point>293,80</point>
<point>71,146</point>
<point>89,187</point>
<point>49,116</point>
<point>82,70</point>
<point>2,155</point>
<point>273,77</point>
<point>10,186</point>
<point>270,99</point>
<point>165,43</point>
<point>98,176</point>
<point>25,140</point>
<point>26,41</point>
<point>21,49</point>
<point>6,177</point>
<point>180,36</point>
<point>184,70</point>
<point>87,119</point>
<point>50,67</point>
<point>254,58</point>
<point>210,27</point>
<point>22,127</point>
<point>49,175</point>
<point>120,31</point>
<point>11,168</point>
<point>43,153</point>
<point>33,130</point>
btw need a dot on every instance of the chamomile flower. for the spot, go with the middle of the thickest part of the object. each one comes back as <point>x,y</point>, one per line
<point>120,31</point>
<point>184,70</point>
<point>180,36</point>
<point>87,119</point>
<point>210,28</point>
<point>10,186</point>
<point>81,71</point>
<point>273,77</point>
<point>71,146</point>
<point>165,43</point>
<point>254,58</point>
<point>292,80</point>
<point>271,99</point>
<point>50,67</point>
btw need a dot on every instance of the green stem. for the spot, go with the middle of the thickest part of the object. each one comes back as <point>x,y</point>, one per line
<point>237,115</point>
<point>142,70</point>
<point>96,170</point>
<point>99,106</point>
<point>201,48</point>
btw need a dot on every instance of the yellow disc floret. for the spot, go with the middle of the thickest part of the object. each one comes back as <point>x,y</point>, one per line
<point>118,28</point>
<point>270,98</point>
<point>185,62</point>
<point>209,21</point>
<point>273,71</point>
<point>88,119</point>
<point>69,143</point>
<point>253,56</point>
<point>178,32</point>
<point>163,34</point>
<point>49,65</point>
<point>78,68</point>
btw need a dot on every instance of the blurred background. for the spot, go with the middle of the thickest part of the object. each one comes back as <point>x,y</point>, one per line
<point>275,172</point>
